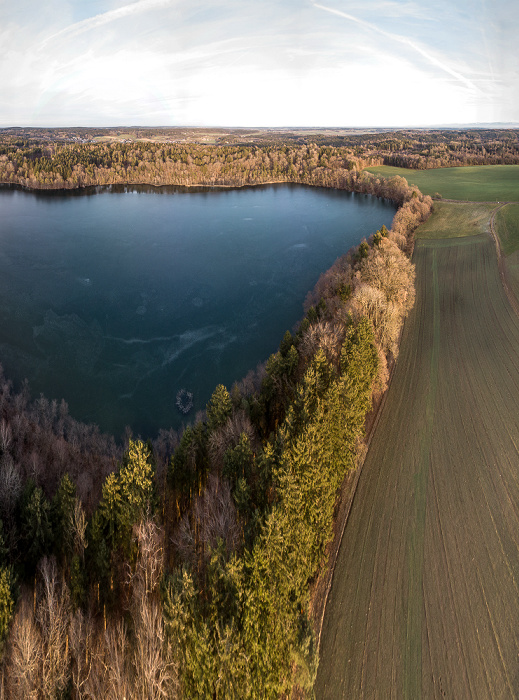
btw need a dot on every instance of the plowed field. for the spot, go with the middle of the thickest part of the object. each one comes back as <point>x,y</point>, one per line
<point>425,596</point>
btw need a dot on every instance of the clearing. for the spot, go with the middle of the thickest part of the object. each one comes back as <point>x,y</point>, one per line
<point>425,594</point>
<point>478,183</point>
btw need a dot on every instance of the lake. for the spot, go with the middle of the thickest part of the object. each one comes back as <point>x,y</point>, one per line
<point>117,298</point>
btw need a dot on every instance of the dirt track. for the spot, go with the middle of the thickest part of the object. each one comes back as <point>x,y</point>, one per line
<point>500,261</point>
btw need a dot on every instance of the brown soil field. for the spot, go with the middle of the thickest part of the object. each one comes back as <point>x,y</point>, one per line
<point>425,595</point>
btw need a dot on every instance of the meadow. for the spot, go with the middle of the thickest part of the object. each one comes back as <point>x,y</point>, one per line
<point>507,219</point>
<point>456,220</point>
<point>488,183</point>
<point>424,601</point>
<point>507,229</point>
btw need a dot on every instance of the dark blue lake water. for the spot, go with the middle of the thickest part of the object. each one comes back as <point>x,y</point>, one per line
<point>118,299</point>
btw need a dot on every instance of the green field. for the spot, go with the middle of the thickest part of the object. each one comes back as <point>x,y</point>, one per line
<point>456,219</point>
<point>507,223</point>
<point>474,183</point>
<point>425,596</point>
<point>507,228</point>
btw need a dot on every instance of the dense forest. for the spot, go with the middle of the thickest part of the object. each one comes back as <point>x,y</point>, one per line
<point>50,159</point>
<point>185,566</point>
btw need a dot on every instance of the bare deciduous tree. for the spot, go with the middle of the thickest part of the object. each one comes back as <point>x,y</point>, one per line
<point>6,435</point>
<point>10,489</point>
<point>150,562</point>
<point>386,317</point>
<point>155,674</point>
<point>217,515</point>
<point>78,525</point>
<point>53,618</point>
<point>117,683</point>
<point>325,335</point>
<point>212,518</point>
<point>382,374</point>
<point>228,436</point>
<point>387,269</point>
<point>25,654</point>
<point>82,651</point>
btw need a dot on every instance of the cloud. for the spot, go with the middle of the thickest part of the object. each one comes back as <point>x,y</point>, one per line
<point>248,62</point>
<point>429,58</point>
<point>394,8</point>
<point>103,18</point>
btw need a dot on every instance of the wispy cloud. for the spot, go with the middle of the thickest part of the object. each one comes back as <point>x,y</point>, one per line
<point>248,62</point>
<point>103,18</point>
<point>394,8</point>
<point>432,60</point>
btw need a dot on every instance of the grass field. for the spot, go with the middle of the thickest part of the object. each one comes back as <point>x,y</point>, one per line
<point>453,219</point>
<point>507,222</point>
<point>474,183</point>
<point>425,595</point>
<point>507,227</point>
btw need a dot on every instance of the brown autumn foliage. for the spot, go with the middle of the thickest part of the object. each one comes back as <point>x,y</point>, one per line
<point>386,293</point>
<point>376,280</point>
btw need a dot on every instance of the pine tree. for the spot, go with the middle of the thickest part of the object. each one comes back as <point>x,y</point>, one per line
<point>36,532</point>
<point>62,508</point>
<point>136,484</point>
<point>219,407</point>
<point>6,603</point>
<point>110,508</point>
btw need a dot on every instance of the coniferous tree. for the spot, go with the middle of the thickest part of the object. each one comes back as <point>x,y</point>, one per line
<point>35,526</point>
<point>6,603</point>
<point>219,408</point>
<point>62,508</point>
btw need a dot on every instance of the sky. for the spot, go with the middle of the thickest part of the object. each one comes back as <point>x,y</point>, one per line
<point>265,63</point>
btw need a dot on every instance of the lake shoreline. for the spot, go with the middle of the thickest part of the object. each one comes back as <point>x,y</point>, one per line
<point>198,186</point>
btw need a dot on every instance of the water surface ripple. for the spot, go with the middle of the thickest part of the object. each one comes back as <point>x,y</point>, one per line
<point>117,298</point>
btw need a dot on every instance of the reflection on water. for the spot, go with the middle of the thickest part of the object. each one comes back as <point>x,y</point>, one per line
<point>118,303</point>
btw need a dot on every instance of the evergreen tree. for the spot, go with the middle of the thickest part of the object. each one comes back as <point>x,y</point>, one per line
<point>219,408</point>
<point>98,554</point>
<point>6,603</point>
<point>62,508</point>
<point>77,582</point>
<point>4,549</point>
<point>238,461</point>
<point>137,488</point>
<point>36,532</point>
<point>189,463</point>
<point>109,509</point>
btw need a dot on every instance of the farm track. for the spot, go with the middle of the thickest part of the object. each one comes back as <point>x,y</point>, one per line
<point>500,260</point>
<point>425,596</point>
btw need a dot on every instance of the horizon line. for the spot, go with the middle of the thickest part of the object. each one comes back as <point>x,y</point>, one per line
<point>448,125</point>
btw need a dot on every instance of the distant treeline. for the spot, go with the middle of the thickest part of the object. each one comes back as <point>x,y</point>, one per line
<point>184,567</point>
<point>51,164</point>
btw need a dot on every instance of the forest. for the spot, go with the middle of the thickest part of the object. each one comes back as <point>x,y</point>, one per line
<point>185,566</point>
<point>59,159</point>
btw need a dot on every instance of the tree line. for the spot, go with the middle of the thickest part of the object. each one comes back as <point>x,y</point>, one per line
<point>51,164</point>
<point>188,571</point>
